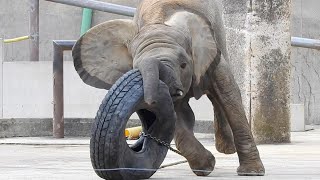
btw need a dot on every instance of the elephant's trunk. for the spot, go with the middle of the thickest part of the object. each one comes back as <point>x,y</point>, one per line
<point>150,73</point>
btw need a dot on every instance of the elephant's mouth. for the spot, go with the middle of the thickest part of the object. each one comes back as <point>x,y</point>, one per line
<point>178,94</point>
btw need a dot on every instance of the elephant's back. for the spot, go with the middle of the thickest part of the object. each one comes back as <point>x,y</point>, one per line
<point>159,11</point>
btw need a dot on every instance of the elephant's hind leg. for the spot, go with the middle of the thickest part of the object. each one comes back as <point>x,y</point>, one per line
<point>223,133</point>
<point>201,160</point>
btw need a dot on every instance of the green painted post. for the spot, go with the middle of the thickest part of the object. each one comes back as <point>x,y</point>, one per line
<point>86,20</point>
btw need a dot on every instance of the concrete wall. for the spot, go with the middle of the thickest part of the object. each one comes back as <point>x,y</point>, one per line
<point>57,21</point>
<point>235,17</point>
<point>28,93</point>
<point>1,79</point>
<point>270,50</point>
<point>305,85</point>
<point>63,22</point>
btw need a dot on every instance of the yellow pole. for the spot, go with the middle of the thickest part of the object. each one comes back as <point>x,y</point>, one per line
<point>16,39</point>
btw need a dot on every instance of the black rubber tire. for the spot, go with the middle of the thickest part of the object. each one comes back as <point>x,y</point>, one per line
<point>111,157</point>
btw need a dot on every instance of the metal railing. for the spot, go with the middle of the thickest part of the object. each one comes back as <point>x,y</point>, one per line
<point>58,98</point>
<point>305,43</point>
<point>66,45</point>
<point>34,30</point>
<point>100,6</point>
<point>59,46</point>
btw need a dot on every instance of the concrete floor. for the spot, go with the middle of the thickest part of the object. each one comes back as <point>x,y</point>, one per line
<point>47,158</point>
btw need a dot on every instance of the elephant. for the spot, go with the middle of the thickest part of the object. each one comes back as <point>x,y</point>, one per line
<point>183,44</point>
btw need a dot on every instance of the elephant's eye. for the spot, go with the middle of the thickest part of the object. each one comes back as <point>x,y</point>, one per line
<point>183,65</point>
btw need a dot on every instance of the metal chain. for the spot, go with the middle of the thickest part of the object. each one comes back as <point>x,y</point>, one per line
<point>163,143</point>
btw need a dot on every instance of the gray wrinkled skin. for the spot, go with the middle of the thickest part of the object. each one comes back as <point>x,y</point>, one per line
<point>182,43</point>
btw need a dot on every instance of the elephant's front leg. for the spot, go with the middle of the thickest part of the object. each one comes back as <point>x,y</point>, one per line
<point>227,93</point>
<point>201,160</point>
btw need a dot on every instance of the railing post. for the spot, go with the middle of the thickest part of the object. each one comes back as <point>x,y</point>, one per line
<point>58,104</point>
<point>34,30</point>
<point>1,78</point>
<point>58,99</point>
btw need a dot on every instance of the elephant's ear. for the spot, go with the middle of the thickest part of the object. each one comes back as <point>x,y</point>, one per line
<point>101,55</point>
<point>204,47</point>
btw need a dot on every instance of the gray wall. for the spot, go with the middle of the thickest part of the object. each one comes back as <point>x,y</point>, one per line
<point>305,84</point>
<point>236,22</point>
<point>57,21</point>
<point>63,22</point>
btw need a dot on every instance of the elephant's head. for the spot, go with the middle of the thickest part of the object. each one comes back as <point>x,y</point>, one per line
<point>178,52</point>
<point>162,52</point>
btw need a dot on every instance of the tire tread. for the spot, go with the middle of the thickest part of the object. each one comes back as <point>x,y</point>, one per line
<point>102,131</point>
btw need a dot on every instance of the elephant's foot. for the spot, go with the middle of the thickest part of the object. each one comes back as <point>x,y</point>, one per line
<point>202,164</point>
<point>224,139</point>
<point>201,161</point>
<point>254,168</point>
<point>225,146</point>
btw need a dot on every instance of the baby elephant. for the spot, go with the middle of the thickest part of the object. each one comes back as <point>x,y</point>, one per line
<point>183,44</point>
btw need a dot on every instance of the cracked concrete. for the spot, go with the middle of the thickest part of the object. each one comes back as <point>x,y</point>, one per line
<point>269,55</point>
<point>65,24</point>
<point>305,87</point>
<point>57,159</point>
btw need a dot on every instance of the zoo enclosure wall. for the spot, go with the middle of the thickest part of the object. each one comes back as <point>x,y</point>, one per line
<point>55,23</point>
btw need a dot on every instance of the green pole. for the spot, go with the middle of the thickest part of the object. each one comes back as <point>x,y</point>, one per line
<point>86,20</point>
